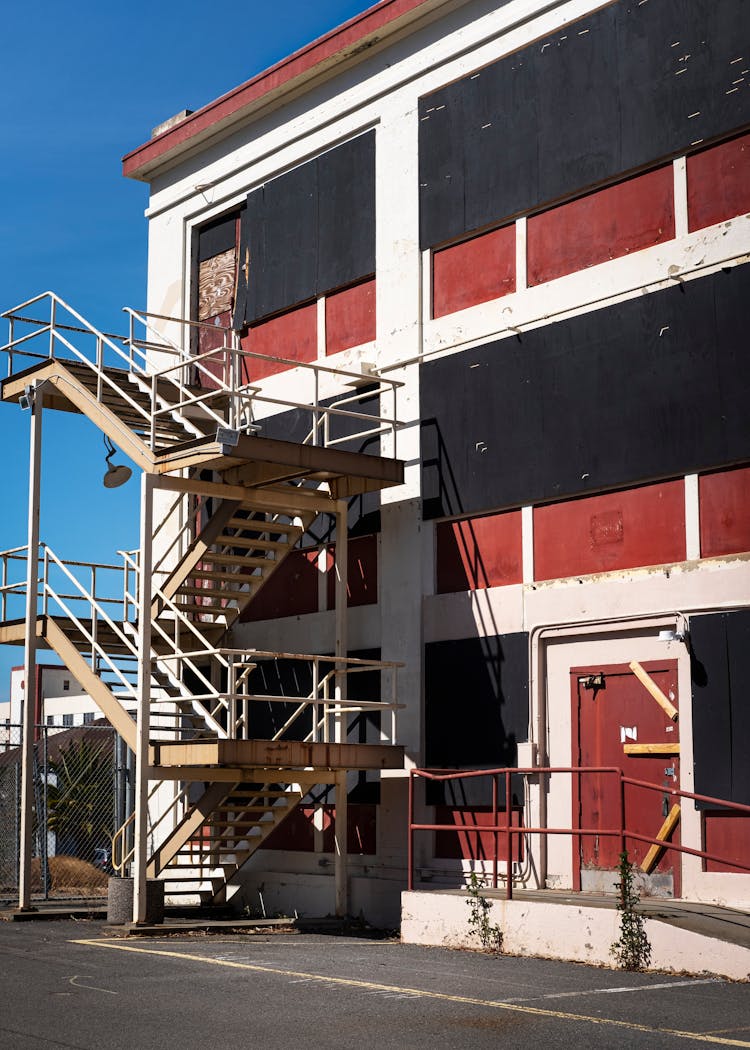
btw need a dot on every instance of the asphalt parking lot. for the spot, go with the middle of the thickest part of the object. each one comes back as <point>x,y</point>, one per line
<point>71,984</point>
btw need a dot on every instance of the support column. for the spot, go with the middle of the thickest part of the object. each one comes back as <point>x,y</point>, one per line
<point>144,701</point>
<point>340,650</point>
<point>341,867</point>
<point>29,654</point>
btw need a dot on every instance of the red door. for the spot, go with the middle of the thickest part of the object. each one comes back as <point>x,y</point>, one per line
<point>612,709</point>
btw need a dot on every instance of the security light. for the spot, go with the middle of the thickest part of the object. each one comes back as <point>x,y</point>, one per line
<point>117,473</point>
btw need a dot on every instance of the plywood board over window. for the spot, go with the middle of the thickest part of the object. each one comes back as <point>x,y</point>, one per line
<point>216,284</point>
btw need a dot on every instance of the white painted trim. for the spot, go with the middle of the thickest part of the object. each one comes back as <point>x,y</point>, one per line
<point>426,272</point>
<point>527,543</point>
<point>521,264</point>
<point>321,326</point>
<point>679,169</point>
<point>692,519</point>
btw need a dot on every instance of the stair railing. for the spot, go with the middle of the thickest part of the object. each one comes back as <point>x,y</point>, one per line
<point>239,394</point>
<point>321,701</point>
<point>55,330</point>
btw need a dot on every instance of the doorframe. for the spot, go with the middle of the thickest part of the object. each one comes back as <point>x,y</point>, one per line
<point>575,752</point>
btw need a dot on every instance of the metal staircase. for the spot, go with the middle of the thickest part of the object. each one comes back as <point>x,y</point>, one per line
<point>239,505</point>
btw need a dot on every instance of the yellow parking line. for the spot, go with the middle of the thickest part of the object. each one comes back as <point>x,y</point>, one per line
<point>371,986</point>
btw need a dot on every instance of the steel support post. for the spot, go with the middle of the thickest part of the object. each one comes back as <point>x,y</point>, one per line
<point>340,721</point>
<point>340,650</point>
<point>29,654</point>
<point>341,867</point>
<point>144,700</point>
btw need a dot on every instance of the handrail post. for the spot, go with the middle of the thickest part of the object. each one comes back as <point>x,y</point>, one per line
<point>94,619</point>
<point>316,412</point>
<point>508,838</point>
<point>52,322</point>
<point>231,690</point>
<point>495,834</point>
<point>153,413</point>
<point>11,338</point>
<point>315,706</point>
<point>577,840</point>
<point>622,811</point>
<point>340,569</point>
<point>410,840</point>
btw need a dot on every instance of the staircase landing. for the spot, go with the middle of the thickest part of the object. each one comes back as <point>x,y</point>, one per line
<point>281,754</point>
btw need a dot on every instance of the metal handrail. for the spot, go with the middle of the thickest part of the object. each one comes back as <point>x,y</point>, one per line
<point>508,830</point>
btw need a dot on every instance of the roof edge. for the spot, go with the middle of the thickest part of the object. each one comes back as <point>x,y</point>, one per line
<point>356,35</point>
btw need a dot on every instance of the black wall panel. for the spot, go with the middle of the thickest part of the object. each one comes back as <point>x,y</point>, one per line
<point>650,388</point>
<point>606,95</point>
<point>310,230</point>
<point>346,205</point>
<point>720,663</point>
<point>283,217</point>
<point>217,237</point>
<point>476,712</point>
<point>476,701</point>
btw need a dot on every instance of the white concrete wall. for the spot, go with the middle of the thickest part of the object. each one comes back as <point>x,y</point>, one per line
<point>578,933</point>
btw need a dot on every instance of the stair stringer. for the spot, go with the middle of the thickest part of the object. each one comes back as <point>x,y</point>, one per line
<point>87,678</point>
<point>232,841</point>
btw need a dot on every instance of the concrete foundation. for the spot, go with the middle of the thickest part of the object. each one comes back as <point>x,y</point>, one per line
<point>573,932</point>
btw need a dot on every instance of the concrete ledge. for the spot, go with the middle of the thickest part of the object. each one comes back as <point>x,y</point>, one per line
<point>572,932</point>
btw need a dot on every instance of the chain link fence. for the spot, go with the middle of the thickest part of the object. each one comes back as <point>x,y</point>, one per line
<point>81,795</point>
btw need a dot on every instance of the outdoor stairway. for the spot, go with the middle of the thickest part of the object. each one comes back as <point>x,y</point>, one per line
<point>229,560</point>
<point>241,818</point>
<point>240,502</point>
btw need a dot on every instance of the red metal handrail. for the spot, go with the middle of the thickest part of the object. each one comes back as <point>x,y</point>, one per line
<point>576,832</point>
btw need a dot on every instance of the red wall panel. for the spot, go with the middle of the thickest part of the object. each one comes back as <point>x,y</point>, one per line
<point>718,182</point>
<point>727,835</point>
<point>350,317</point>
<point>466,845</point>
<point>474,271</point>
<point>618,530</point>
<point>725,512</point>
<point>479,552</point>
<point>209,339</point>
<point>297,832</point>
<point>293,335</point>
<point>604,225</point>
<point>362,572</point>
<point>292,590</point>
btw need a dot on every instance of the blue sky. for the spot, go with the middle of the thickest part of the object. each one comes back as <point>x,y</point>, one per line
<point>80,85</point>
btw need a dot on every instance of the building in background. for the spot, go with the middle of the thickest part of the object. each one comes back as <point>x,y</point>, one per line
<point>60,699</point>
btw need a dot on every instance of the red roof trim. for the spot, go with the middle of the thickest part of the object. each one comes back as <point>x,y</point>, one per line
<point>346,35</point>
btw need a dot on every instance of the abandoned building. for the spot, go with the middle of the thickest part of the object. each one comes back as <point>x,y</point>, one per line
<point>439,402</point>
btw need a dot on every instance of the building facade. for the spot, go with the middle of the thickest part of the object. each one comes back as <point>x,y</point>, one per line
<point>534,217</point>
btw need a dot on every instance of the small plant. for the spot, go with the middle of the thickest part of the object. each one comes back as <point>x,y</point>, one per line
<point>490,936</point>
<point>632,949</point>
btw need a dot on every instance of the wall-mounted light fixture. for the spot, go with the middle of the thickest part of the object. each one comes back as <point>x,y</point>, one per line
<point>117,473</point>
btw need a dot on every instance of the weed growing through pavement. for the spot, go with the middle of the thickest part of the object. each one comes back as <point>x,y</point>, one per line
<point>490,936</point>
<point>632,949</point>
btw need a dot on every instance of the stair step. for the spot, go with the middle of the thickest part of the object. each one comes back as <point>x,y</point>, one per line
<point>248,541</point>
<point>213,592</point>
<point>210,574</point>
<point>241,561</point>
